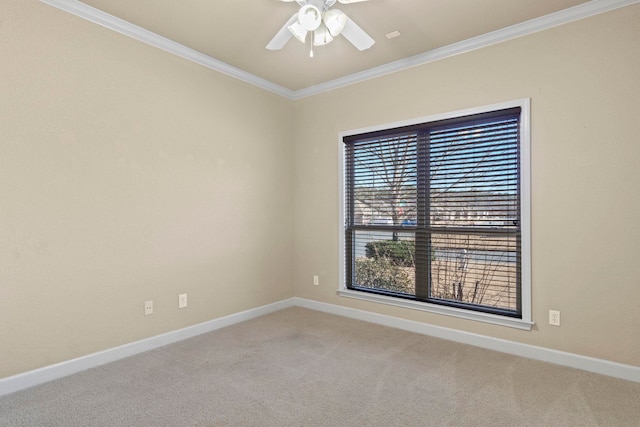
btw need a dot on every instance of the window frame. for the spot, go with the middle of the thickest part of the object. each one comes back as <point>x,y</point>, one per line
<point>525,322</point>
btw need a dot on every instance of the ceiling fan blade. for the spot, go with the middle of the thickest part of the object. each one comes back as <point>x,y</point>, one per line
<point>346,1</point>
<point>282,37</point>
<point>302,2</point>
<point>357,35</point>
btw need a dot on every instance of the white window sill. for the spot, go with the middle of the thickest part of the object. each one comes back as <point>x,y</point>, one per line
<point>439,309</point>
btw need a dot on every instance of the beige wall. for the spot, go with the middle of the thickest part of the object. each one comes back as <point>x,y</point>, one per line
<point>128,174</point>
<point>582,79</point>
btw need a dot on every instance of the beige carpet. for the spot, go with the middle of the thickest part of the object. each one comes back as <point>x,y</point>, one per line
<point>304,368</point>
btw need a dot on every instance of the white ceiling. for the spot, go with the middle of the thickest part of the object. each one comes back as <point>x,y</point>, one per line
<point>235,32</point>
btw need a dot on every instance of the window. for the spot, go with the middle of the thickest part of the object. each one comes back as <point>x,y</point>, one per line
<point>434,214</point>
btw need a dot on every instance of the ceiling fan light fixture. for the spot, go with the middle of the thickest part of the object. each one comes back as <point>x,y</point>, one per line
<point>322,36</point>
<point>310,17</point>
<point>298,31</point>
<point>335,20</point>
<point>324,24</point>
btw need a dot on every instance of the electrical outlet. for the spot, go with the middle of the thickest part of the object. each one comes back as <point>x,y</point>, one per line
<point>554,317</point>
<point>182,300</point>
<point>148,308</point>
<point>316,280</point>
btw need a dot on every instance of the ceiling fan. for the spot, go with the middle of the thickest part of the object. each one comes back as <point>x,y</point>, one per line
<point>317,17</point>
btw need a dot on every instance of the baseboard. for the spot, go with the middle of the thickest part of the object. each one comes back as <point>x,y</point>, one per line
<point>599,366</point>
<point>59,370</point>
<point>48,373</point>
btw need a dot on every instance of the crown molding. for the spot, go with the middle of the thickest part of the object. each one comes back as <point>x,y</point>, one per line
<point>582,11</point>
<point>126,28</point>
<point>576,13</point>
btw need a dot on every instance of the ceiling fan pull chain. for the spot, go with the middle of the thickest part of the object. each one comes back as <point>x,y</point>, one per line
<point>312,40</point>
